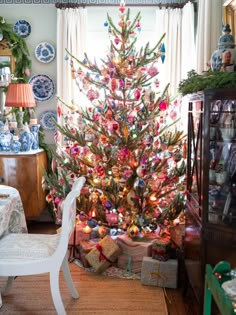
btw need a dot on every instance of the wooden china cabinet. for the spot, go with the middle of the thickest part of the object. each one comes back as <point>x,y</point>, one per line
<point>24,171</point>
<point>210,234</point>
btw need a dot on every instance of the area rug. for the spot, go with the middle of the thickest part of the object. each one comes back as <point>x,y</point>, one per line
<point>99,295</point>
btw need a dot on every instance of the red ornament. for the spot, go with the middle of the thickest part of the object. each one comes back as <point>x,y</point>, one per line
<point>115,125</point>
<point>122,8</point>
<point>163,105</point>
<point>137,94</point>
<point>113,84</point>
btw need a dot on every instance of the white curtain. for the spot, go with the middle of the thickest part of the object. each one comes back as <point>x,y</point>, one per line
<point>71,35</point>
<point>209,27</point>
<point>178,25</point>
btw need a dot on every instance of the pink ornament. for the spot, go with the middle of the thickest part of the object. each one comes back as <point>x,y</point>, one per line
<point>116,40</point>
<point>27,72</point>
<point>141,171</point>
<point>173,115</point>
<point>152,71</point>
<point>112,218</point>
<point>121,84</point>
<point>92,95</point>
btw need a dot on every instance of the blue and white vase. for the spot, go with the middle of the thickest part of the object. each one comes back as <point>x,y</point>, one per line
<point>26,139</point>
<point>224,58</point>
<point>15,144</point>
<point>5,139</point>
<point>34,129</point>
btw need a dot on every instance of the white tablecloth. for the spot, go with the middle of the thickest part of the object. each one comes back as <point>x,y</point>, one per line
<point>12,217</point>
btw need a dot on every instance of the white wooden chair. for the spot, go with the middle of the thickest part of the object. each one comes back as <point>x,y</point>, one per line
<point>28,254</point>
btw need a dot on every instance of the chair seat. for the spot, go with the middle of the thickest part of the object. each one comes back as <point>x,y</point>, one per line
<point>17,246</point>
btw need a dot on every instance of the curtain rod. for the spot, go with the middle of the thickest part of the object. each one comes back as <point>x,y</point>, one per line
<point>60,5</point>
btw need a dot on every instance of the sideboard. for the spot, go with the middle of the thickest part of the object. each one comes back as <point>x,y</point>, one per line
<point>24,171</point>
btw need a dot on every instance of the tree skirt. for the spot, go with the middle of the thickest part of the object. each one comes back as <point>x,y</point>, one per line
<point>112,272</point>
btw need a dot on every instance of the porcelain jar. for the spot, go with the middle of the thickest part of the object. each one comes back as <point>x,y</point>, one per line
<point>15,144</point>
<point>5,139</point>
<point>224,58</point>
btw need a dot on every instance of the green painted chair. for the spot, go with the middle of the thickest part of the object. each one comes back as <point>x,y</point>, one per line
<point>213,290</point>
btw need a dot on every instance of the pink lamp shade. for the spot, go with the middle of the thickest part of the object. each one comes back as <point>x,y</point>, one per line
<point>20,95</point>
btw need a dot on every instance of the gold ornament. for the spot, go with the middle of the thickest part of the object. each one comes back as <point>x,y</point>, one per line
<point>133,231</point>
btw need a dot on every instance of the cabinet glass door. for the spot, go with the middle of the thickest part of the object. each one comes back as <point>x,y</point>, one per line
<point>222,159</point>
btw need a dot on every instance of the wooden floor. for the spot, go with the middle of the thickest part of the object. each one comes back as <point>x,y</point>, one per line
<point>179,301</point>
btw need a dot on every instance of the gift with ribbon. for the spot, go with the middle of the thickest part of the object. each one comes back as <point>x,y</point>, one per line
<point>84,248</point>
<point>161,249</point>
<point>104,254</point>
<point>159,273</point>
<point>132,253</point>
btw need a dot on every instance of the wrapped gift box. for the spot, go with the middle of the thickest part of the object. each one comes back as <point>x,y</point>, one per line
<point>79,235</point>
<point>161,248</point>
<point>84,248</point>
<point>104,254</point>
<point>159,273</point>
<point>130,263</point>
<point>133,252</point>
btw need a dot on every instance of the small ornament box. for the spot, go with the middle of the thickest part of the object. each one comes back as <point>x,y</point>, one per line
<point>159,273</point>
<point>104,254</point>
<point>133,252</point>
<point>161,248</point>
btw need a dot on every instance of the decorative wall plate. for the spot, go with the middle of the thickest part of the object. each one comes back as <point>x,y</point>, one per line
<point>22,28</point>
<point>45,52</point>
<point>43,87</point>
<point>47,120</point>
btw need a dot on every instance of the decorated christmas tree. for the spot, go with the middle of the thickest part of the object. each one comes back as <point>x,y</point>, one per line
<point>126,142</point>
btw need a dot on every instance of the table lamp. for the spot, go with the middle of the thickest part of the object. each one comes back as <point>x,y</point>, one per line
<point>20,95</point>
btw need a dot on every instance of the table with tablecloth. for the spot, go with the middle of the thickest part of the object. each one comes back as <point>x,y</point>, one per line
<point>12,217</point>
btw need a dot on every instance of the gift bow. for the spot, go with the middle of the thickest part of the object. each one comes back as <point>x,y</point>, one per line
<point>101,255</point>
<point>158,274</point>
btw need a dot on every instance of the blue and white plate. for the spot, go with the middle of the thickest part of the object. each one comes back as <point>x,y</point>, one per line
<point>45,52</point>
<point>43,87</point>
<point>48,119</point>
<point>22,28</point>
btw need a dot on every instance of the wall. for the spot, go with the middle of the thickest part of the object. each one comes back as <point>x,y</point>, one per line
<point>42,19</point>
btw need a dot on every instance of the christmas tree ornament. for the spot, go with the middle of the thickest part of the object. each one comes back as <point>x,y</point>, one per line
<point>137,94</point>
<point>102,231</point>
<point>133,231</point>
<point>163,50</point>
<point>117,40</point>
<point>105,24</point>
<point>92,223</point>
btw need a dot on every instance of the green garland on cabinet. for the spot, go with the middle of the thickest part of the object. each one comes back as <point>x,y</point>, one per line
<point>207,80</point>
<point>19,50</point>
